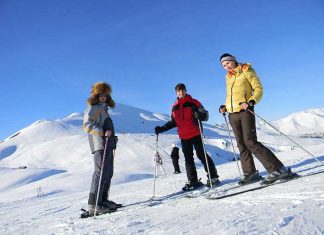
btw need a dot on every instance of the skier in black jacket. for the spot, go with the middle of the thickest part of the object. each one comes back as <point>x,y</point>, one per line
<point>175,159</point>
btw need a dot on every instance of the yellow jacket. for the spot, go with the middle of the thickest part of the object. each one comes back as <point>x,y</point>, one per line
<point>242,85</point>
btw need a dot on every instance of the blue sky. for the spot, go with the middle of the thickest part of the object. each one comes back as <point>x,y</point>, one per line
<point>51,52</point>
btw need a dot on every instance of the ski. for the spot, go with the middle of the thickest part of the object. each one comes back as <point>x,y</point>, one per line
<point>227,193</point>
<point>197,192</point>
<point>154,202</point>
<point>216,188</point>
<point>180,194</point>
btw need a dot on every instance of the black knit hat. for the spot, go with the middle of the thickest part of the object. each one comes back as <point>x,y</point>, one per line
<point>180,86</point>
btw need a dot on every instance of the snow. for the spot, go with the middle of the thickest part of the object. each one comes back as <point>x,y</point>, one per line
<point>59,163</point>
<point>302,123</point>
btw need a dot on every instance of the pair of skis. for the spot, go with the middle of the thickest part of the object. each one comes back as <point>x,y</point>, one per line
<point>218,193</point>
<point>212,194</point>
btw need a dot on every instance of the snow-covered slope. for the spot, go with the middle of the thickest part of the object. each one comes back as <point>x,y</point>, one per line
<point>306,123</point>
<point>296,207</point>
<point>59,163</point>
<point>58,150</point>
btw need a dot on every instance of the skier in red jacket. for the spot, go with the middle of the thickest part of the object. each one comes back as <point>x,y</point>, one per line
<point>186,113</point>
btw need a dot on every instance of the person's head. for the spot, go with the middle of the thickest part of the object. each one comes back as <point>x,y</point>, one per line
<point>181,90</point>
<point>228,62</point>
<point>101,93</point>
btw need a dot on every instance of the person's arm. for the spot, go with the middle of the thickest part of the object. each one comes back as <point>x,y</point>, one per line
<point>89,122</point>
<point>199,112</point>
<point>170,124</point>
<point>167,126</point>
<point>257,89</point>
<point>203,114</point>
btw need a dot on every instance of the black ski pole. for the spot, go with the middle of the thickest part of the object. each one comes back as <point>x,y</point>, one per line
<point>286,136</point>
<point>234,153</point>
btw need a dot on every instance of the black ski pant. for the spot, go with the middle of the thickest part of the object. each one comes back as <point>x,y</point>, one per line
<point>175,161</point>
<point>243,125</point>
<point>187,149</point>
<point>108,170</point>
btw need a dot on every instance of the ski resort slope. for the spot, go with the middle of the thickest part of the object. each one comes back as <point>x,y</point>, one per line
<point>296,207</point>
<point>58,162</point>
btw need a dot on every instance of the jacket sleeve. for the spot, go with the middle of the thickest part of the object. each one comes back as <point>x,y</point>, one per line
<point>89,122</point>
<point>257,89</point>
<point>204,113</point>
<point>169,125</point>
<point>197,106</point>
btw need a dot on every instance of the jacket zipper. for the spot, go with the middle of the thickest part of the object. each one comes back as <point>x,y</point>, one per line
<point>232,94</point>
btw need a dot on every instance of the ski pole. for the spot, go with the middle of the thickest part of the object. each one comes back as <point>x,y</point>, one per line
<point>286,137</point>
<point>234,153</point>
<point>101,170</point>
<point>206,159</point>
<point>155,165</point>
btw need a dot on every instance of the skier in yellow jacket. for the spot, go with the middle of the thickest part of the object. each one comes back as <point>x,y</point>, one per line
<point>244,90</point>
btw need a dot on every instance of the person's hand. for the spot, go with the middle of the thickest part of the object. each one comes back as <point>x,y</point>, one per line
<point>244,106</point>
<point>222,109</point>
<point>197,115</point>
<point>108,133</point>
<point>158,130</point>
<point>249,105</point>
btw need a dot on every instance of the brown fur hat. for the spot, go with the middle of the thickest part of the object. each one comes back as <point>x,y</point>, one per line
<point>98,89</point>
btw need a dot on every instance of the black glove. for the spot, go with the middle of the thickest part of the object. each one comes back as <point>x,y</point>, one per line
<point>158,129</point>
<point>221,107</point>
<point>197,115</point>
<point>251,104</point>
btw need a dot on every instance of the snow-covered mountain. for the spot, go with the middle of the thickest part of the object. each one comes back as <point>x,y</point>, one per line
<point>59,163</point>
<point>306,123</point>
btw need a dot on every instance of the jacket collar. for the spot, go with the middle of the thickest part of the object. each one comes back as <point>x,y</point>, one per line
<point>238,70</point>
<point>183,100</point>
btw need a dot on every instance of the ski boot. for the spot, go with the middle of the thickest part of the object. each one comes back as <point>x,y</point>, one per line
<point>190,185</point>
<point>281,174</point>
<point>214,182</point>
<point>249,179</point>
<point>112,204</point>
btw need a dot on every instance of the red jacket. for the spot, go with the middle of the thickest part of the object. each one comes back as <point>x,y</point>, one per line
<point>182,117</point>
